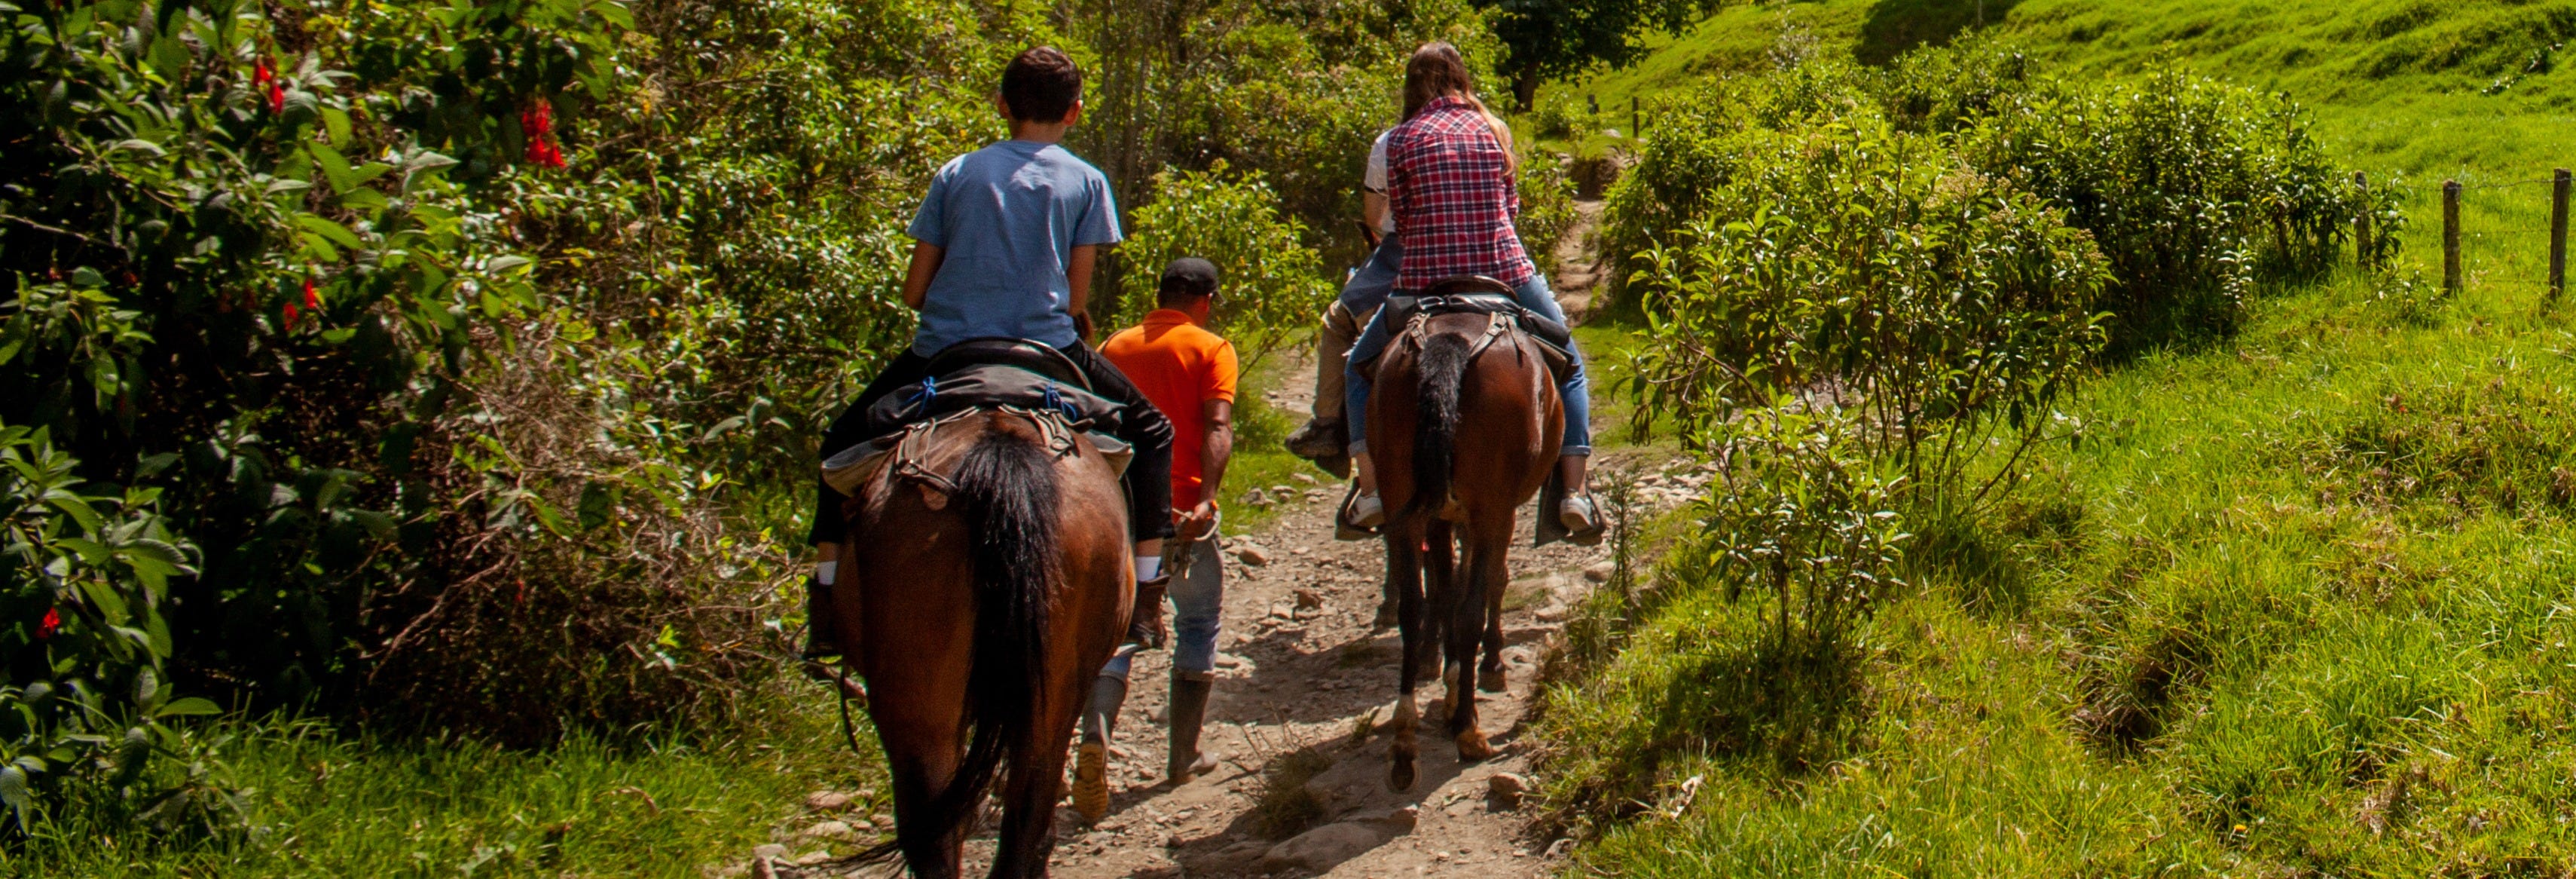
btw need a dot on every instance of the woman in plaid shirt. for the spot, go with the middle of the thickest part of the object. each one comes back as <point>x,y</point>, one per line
<point>1451,183</point>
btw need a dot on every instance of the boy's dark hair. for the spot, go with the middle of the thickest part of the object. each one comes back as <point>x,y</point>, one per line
<point>1041,85</point>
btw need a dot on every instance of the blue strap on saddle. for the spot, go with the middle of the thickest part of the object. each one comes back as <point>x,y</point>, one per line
<point>927,391</point>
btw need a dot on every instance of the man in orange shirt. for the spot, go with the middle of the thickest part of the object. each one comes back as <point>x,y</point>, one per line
<point>1189,373</point>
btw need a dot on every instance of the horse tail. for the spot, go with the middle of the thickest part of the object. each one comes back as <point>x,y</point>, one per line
<point>1441,369</point>
<point>1007,487</point>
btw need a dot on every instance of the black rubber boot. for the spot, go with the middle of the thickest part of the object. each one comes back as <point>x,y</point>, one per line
<point>1145,623</point>
<point>1190,693</point>
<point>819,640</point>
<point>1091,758</point>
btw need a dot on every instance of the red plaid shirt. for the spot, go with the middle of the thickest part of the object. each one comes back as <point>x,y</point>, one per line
<point>1450,187</point>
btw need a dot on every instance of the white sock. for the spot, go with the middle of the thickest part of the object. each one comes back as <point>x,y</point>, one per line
<point>1148,567</point>
<point>826,572</point>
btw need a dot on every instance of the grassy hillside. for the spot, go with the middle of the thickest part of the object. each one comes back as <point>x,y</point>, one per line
<point>2299,603</point>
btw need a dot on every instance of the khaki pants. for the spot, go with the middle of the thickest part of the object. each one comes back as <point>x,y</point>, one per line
<point>1332,354</point>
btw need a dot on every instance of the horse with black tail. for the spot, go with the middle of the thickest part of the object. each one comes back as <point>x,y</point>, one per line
<point>993,579</point>
<point>1467,420</point>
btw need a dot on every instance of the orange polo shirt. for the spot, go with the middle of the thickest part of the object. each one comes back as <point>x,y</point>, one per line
<point>1179,366</point>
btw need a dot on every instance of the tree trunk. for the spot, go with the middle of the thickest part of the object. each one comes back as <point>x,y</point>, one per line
<point>1525,89</point>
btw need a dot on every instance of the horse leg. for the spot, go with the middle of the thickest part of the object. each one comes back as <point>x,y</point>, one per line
<point>931,846</point>
<point>1404,578</point>
<point>1439,590</point>
<point>1490,676</point>
<point>1486,548</point>
<point>1035,780</point>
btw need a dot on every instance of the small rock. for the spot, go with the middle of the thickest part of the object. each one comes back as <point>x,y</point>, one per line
<point>811,858</point>
<point>1551,613</point>
<point>1252,555</point>
<point>1174,841</point>
<point>1558,848</point>
<point>769,850</point>
<point>1307,478</point>
<point>882,819</point>
<point>1599,572</point>
<point>1506,790</point>
<point>1320,849</point>
<point>1228,660</point>
<point>830,830</point>
<point>828,801</point>
<point>1314,495</point>
<point>1234,857</point>
<point>1282,489</point>
<point>1309,599</point>
<point>1255,498</point>
<point>1283,611</point>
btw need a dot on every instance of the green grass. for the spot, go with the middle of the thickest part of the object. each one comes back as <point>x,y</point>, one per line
<point>315,803</point>
<point>2300,604</point>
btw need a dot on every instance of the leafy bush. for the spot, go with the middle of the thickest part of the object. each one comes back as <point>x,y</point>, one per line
<point>1856,264</point>
<point>83,701</point>
<point>476,351</point>
<point>1272,285</point>
<point>1805,516</point>
<point>2193,190</point>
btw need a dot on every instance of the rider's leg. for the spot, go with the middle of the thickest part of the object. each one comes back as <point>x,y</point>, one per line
<point>1198,601</point>
<point>828,528</point>
<point>1361,296</point>
<point>1356,381</point>
<point>1579,514</point>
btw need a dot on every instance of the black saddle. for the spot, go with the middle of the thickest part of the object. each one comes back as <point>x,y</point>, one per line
<point>989,373</point>
<point>1476,294</point>
<point>1036,357</point>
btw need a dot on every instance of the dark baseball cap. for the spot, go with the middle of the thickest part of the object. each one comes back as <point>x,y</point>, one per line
<point>1189,276</point>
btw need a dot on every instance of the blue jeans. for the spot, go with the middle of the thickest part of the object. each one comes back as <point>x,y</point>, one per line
<point>1197,601</point>
<point>1367,288</point>
<point>1533,295</point>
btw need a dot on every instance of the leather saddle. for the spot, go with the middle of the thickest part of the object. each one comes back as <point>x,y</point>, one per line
<point>990,373</point>
<point>1478,294</point>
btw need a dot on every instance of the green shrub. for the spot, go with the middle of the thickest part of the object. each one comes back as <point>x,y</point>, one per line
<point>2193,190</point>
<point>1861,265</point>
<point>1271,286</point>
<point>83,703</point>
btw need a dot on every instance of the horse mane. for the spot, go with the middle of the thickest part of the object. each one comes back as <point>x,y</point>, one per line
<point>1442,367</point>
<point>1006,485</point>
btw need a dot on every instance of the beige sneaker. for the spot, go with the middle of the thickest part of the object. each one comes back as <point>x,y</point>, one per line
<point>1367,511</point>
<point>1581,518</point>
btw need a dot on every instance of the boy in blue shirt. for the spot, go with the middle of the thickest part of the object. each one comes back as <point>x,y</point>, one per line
<point>1006,241</point>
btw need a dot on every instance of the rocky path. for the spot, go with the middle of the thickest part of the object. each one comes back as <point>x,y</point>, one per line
<point>1302,679</point>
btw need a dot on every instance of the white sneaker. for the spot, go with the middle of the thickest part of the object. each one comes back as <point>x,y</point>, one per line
<point>1367,511</point>
<point>1580,516</point>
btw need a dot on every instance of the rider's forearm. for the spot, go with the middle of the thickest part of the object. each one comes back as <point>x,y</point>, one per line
<point>1077,278</point>
<point>916,280</point>
<point>1373,210</point>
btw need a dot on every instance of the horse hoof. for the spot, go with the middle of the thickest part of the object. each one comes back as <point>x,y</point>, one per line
<point>1473,747</point>
<point>1091,782</point>
<point>1386,617</point>
<point>1492,681</point>
<point>1399,777</point>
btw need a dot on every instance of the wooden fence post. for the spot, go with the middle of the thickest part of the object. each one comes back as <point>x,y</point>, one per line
<point>2361,223</point>
<point>2451,237</point>
<point>2558,233</point>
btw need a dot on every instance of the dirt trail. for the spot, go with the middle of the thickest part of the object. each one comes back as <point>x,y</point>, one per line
<point>1299,666</point>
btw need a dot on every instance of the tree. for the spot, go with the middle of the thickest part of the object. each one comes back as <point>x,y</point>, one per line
<point>1546,39</point>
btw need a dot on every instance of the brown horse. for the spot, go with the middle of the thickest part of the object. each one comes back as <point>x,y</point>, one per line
<point>993,580</point>
<point>1442,372</point>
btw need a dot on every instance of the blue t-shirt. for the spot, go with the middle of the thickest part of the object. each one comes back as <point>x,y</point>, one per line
<point>1009,216</point>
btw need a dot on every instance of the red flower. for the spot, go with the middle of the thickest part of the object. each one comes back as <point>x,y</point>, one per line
<point>311,301</point>
<point>53,622</point>
<point>263,77</point>
<point>289,313</point>
<point>538,121</point>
